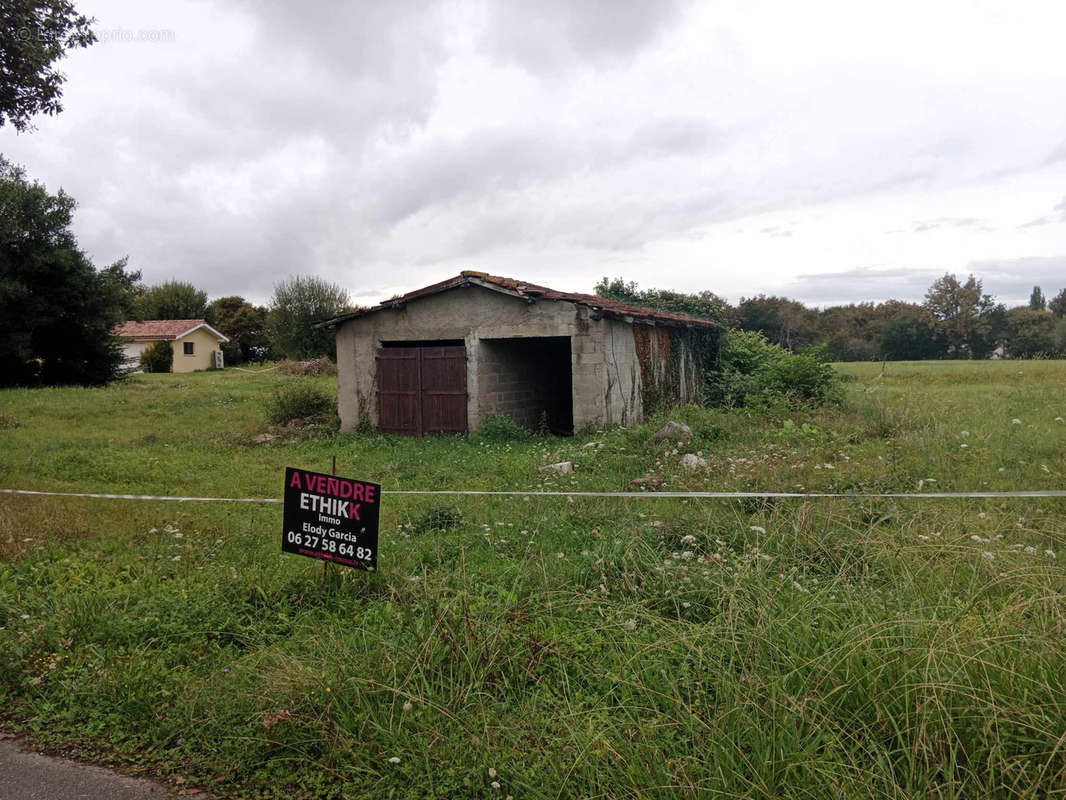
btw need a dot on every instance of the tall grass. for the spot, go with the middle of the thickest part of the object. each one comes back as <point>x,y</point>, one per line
<point>647,648</point>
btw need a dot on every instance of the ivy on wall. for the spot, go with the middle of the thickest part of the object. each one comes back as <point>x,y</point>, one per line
<point>674,363</point>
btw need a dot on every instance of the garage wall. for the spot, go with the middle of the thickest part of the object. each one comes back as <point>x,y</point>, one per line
<point>472,313</point>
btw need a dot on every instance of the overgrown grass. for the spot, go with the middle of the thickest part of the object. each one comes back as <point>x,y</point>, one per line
<point>598,648</point>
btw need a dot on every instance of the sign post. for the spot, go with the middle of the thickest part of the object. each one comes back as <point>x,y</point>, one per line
<point>331,518</point>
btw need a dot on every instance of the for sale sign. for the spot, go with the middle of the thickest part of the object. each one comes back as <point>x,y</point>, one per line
<point>331,518</point>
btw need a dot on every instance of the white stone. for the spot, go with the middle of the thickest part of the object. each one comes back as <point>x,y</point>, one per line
<point>693,461</point>
<point>560,468</point>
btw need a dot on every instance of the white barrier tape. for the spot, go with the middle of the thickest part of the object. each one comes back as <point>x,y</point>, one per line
<point>663,495</point>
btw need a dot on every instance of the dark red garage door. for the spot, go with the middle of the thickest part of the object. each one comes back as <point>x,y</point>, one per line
<point>422,389</point>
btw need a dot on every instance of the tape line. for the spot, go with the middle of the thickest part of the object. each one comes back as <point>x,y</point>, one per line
<point>645,495</point>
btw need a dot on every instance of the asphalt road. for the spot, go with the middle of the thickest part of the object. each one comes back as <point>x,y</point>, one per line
<point>31,776</point>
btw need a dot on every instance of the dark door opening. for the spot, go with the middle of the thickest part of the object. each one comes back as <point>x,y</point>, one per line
<point>530,379</point>
<point>422,388</point>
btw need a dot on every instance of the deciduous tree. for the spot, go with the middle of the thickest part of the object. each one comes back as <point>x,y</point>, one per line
<point>172,300</point>
<point>56,310</point>
<point>34,35</point>
<point>297,304</point>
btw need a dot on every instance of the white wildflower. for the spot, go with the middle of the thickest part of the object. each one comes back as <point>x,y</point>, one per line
<point>492,772</point>
<point>495,784</point>
<point>965,434</point>
<point>757,529</point>
<point>688,539</point>
<point>394,760</point>
<point>964,446</point>
<point>988,555</point>
<point>1030,550</point>
<point>1049,553</point>
<point>24,616</point>
<point>686,555</point>
<point>982,515</point>
<point>408,706</point>
<point>1015,421</point>
<point>923,537</point>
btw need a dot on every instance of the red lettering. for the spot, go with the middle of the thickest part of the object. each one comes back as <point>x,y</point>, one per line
<point>357,491</point>
<point>346,489</point>
<point>369,495</point>
<point>332,486</point>
<point>295,480</point>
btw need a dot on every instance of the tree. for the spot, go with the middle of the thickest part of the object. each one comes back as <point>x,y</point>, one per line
<point>787,323</point>
<point>123,288</point>
<point>1057,306</point>
<point>704,305</point>
<point>34,34</point>
<point>244,324</point>
<point>297,304</point>
<point>1030,333</point>
<point>172,300</point>
<point>56,310</point>
<point>911,335</point>
<point>967,318</point>
<point>1037,301</point>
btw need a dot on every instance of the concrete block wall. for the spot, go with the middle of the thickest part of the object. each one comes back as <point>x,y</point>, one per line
<point>605,374</point>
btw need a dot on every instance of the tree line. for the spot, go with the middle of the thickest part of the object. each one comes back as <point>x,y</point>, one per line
<point>957,319</point>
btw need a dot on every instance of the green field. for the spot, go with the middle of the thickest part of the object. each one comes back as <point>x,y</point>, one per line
<point>548,647</point>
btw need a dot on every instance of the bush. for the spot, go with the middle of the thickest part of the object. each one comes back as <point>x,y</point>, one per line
<point>158,357</point>
<point>502,427</point>
<point>302,400</point>
<point>754,372</point>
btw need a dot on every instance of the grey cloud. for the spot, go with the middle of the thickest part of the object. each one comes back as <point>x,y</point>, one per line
<point>544,36</point>
<point>945,222</point>
<point>1008,280</point>
<point>859,285</point>
<point>1058,215</point>
<point>1056,155</point>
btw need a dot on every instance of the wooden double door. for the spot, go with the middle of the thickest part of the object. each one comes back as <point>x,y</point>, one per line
<point>422,389</point>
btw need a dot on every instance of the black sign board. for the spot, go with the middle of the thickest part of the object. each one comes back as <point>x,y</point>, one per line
<point>331,518</point>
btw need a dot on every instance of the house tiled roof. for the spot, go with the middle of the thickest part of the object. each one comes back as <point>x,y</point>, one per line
<point>154,329</point>
<point>532,293</point>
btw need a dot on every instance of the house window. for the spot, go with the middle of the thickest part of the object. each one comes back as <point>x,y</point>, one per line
<point>188,348</point>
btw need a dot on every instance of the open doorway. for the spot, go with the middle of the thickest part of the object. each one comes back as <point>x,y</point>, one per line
<point>530,380</point>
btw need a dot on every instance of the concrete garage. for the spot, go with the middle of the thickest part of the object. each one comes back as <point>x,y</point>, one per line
<point>441,359</point>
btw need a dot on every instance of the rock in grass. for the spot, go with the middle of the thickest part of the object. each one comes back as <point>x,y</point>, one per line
<point>673,430</point>
<point>560,468</point>
<point>693,461</point>
<point>651,483</point>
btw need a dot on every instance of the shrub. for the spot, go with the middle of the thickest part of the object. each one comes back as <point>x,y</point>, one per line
<point>158,357</point>
<point>501,426</point>
<point>755,372</point>
<point>300,399</point>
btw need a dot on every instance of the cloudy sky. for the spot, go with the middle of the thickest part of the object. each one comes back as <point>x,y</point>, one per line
<point>830,151</point>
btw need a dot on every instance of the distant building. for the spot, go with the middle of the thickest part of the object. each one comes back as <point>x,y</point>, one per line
<point>195,343</point>
<point>443,358</point>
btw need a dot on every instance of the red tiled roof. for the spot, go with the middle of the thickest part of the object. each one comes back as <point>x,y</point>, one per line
<point>152,329</point>
<point>531,293</point>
